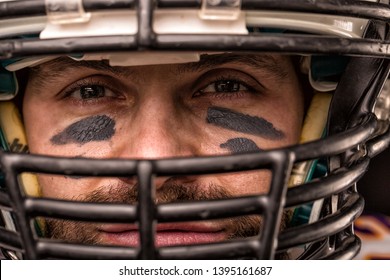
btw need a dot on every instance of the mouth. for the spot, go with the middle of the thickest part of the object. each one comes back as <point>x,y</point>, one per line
<point>166,234</point>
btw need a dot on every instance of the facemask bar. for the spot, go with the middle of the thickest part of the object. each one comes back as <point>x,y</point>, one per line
<point>270,206</point>
<point>147,213</point>
<point>366,9</point>
<point>147,39</point>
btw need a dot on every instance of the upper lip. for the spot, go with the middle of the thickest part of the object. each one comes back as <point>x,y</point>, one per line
<point>189,227</point>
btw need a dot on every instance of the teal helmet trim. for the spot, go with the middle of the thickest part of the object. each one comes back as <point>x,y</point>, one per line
<point>327,68</point>
<point>301,214</point>
<point>8,84</point>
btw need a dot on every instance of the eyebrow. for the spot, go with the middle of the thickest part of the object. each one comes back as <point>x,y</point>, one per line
<point>55,69</point>
<point>257,61</point>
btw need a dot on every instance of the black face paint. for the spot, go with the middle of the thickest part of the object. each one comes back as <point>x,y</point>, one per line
<point>95,128</point>
<point>239,122</point>
<point>240,146</point>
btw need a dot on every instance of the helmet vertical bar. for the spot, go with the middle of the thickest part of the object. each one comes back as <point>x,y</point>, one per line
<point>145,24</point>
<point>23,219</point>
<point>281,168</point>
<point>146,210</point>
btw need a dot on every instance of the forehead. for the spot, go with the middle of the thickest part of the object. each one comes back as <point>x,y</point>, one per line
<point>275,64</point>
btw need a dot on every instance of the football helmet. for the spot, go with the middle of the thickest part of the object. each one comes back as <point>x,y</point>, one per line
<point>343,49</point>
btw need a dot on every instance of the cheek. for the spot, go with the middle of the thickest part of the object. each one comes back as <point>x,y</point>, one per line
<point>289,121</point>
<point>246,183</point>
<point>62,187</point>
<point>37,133</point>
<point>55,187</point>
<point>47,140</point>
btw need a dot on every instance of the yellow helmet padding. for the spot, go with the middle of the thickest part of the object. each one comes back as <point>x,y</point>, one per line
<point>313,129</point>
<point>13,131</point>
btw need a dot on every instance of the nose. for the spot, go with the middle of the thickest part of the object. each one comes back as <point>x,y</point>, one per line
<point>157,128</point>
<point>158,133</point>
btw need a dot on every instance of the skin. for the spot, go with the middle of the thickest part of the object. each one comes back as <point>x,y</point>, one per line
<point>226,106</point>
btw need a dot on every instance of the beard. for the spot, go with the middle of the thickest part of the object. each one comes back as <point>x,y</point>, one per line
<point>169,192</point>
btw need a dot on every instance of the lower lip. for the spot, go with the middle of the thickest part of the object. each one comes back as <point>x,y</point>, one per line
<point>163,238</point>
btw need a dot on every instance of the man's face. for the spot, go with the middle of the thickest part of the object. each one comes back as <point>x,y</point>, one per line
<point>225,104</point>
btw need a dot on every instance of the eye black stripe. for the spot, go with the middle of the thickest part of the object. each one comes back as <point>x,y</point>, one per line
<point>239,122</point>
